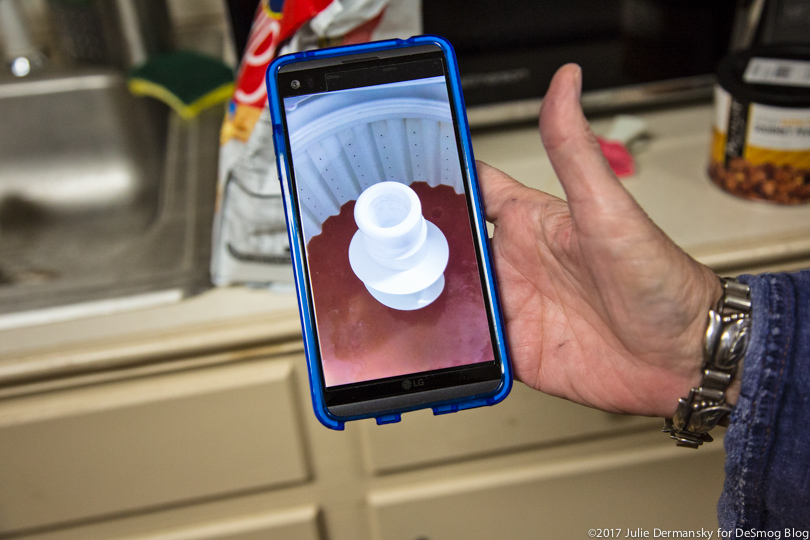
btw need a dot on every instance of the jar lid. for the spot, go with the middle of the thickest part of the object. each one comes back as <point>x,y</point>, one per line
<point>777,76</point>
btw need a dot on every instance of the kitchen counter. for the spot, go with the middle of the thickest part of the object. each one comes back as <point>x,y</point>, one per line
<point>729,234</point>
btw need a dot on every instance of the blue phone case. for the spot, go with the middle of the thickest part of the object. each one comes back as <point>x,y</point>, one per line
<point>291,212</point>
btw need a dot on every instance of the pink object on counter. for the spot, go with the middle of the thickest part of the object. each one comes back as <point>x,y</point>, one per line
<point>618,157</point>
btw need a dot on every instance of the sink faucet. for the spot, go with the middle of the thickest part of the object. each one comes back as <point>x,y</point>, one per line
<point>21,55</point>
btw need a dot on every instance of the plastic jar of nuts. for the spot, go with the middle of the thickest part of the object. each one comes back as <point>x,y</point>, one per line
<point>761,141</point>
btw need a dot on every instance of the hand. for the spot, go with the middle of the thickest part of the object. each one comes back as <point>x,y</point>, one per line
<point>601,307</point>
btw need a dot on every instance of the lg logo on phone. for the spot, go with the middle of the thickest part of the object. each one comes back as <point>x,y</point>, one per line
<point>409,384</point>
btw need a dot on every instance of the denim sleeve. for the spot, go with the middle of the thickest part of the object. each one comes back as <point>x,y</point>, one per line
<point>768,443</point>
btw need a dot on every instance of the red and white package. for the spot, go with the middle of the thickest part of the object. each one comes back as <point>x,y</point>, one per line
<point>249,238</point>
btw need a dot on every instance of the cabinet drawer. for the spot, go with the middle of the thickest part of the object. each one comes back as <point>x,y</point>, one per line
<point>526,418</point>
<point>194,523</point>
<point>290,524</point>
<point>119,447</point>
<point>660,486</point>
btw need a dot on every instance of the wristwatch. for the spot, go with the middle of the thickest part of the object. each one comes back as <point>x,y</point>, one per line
<point>724,345</point>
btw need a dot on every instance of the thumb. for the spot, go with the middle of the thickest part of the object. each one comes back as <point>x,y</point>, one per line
<point>574,151</point>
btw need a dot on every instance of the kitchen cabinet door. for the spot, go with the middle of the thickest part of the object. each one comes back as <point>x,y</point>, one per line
<point>653,486</point>
<point>150,442</point>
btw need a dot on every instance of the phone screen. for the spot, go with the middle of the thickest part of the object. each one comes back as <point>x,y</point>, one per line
<point>393,266</point>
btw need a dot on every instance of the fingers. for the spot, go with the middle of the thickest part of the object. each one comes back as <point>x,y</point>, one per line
<point>584,173</point>
<point>497,188</point>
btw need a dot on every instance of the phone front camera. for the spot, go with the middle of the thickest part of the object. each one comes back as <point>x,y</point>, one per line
<point>295,84</point>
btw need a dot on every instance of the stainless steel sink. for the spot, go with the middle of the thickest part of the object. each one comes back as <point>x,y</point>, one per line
<point>102,194</point>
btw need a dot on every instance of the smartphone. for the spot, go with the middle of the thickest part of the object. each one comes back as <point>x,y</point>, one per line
<point>397,297</point>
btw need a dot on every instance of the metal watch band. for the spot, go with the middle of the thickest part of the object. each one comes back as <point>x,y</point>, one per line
<point>724,345</point>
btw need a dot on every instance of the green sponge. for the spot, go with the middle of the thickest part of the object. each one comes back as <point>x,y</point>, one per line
<point>187,81</point>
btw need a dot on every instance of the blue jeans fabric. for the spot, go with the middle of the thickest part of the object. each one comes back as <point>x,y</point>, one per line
<point>767,444</point>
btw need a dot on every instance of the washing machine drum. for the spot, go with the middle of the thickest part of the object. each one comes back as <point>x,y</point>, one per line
<point>340,154</point>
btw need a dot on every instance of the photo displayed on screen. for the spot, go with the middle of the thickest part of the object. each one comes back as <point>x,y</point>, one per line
<point>393,270</point>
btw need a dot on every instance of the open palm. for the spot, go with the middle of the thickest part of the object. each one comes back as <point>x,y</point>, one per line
<point>601,307</point>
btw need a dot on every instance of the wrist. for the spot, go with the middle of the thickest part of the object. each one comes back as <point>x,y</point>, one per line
<point>688,373</point>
